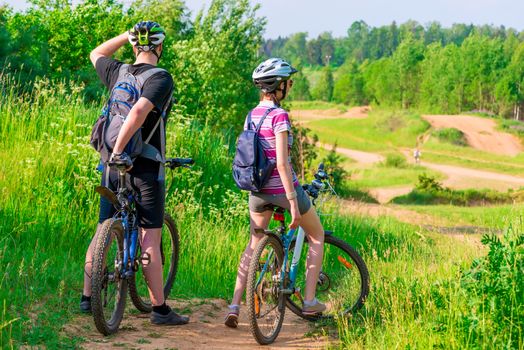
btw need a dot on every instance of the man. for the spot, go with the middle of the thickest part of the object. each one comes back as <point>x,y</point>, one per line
<point>147,40</point>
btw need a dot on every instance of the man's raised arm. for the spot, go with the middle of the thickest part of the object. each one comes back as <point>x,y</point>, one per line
<point>108,48</point>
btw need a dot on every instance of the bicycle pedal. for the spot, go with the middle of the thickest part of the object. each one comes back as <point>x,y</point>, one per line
<point>145,259</point>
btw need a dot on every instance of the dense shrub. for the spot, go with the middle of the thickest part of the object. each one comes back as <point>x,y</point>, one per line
<point>494,286</point>
<point>451,135</point>
<point>395,160</point>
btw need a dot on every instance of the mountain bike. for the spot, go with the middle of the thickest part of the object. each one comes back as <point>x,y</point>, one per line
<point>276,279</point>
<point>117,257</point>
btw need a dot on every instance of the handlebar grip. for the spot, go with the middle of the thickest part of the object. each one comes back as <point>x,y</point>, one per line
<point>173,163</point>
<point>184,161</point>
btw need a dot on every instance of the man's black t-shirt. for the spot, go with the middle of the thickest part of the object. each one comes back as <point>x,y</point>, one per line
<point>157,90</point>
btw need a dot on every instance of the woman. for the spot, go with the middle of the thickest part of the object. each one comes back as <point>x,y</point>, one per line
<point>272,77</point>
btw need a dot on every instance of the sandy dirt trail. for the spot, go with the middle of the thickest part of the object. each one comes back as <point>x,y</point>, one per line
<point>307,115</point>
<point>206,330</point>
<point>480,133</point>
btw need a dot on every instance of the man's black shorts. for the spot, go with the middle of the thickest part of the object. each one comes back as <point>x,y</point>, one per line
<point>150,199</point>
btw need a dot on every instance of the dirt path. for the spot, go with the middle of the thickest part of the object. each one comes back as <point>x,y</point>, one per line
<point>206,330</point>
<point>376,210</point>
<point>461,178</point>
<point>480,133</point>
<point>307,115</point>
<point>385,194</point>
<point>359,156</point>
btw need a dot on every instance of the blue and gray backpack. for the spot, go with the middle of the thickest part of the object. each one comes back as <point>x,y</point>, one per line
<point>125,93</point>
<point>251,167</point>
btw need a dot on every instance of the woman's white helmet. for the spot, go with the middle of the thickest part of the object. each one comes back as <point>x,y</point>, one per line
<point>268,75</point>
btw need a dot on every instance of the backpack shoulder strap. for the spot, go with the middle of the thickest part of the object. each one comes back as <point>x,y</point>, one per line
<point>263,118</point>
<point>248,120</point>
<point>142,77</point>
<point>124,69</point>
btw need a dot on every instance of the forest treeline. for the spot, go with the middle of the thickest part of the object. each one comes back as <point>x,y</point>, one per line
<point>210,57</point>
<point>427,67</point>
<point>435,69</point>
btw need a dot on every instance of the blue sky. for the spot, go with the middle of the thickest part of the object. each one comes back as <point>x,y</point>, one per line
<point>290,16</point>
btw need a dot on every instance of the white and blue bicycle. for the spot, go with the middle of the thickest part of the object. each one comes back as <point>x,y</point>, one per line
<point>276,278</point>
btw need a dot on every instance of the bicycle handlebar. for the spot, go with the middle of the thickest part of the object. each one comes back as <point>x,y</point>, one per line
<point>173,163</point>
<point>319,183</point>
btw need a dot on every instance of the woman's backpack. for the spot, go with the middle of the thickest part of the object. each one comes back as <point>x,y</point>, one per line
<point>251,167</point>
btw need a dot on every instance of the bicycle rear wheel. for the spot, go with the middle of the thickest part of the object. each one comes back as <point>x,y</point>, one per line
<point>343,283</point>
<point>169,250</point>
<point>265,302</point>
<point>108,299</point>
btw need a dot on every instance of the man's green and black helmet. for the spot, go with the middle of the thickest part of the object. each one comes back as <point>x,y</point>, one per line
<point>146,35</point>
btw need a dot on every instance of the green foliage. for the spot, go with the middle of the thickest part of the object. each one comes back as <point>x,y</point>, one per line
<point>428,184</point>
<point>349,87</point>
<point>323,90</point>
<point>300,90</point>
<point>213,67</point>
<point>303,151</point>
<point>513,126</point>
<point>211,59</point>
<point>451,135</point>
<point>494,287</point>
<point>333,166</point>
<point>395,160</point>
<point>439,70</point>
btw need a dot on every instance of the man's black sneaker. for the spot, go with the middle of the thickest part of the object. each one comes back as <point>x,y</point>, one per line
<point>85,306</point>
<point>171,319</point>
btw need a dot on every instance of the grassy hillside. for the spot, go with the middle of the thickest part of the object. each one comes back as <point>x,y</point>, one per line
<point>380,132</point>
<point>384,131</point>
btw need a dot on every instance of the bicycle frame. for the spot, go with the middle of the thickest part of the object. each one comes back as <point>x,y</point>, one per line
<point>297,251</point>
<point>293,269</point>
<point>127,213</point>
<point>124,202</point>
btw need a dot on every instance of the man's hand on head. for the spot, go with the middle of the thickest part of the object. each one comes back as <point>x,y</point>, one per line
<point>108,48</point>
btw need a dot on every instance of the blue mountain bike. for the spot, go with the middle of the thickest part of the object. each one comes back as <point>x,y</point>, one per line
<point>117,256</point>
<point>276,279</point>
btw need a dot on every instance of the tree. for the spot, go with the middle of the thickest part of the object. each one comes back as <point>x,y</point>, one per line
<point>294,49</point>
<point>324,89</point>
<point>406,59</point>
<point>510,89</point>
<point>213,67</point>
<point>349,87</point>
<point>300,89</point>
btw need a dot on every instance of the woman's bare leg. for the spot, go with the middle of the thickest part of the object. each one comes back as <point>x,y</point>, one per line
<point>310,222</point>
<point>258,220</point>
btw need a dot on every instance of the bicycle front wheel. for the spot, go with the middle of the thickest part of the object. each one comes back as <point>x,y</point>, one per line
<point>108,299</point>
<point>169,252</point>
<point>343,282</point>
<point>265,302</point>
